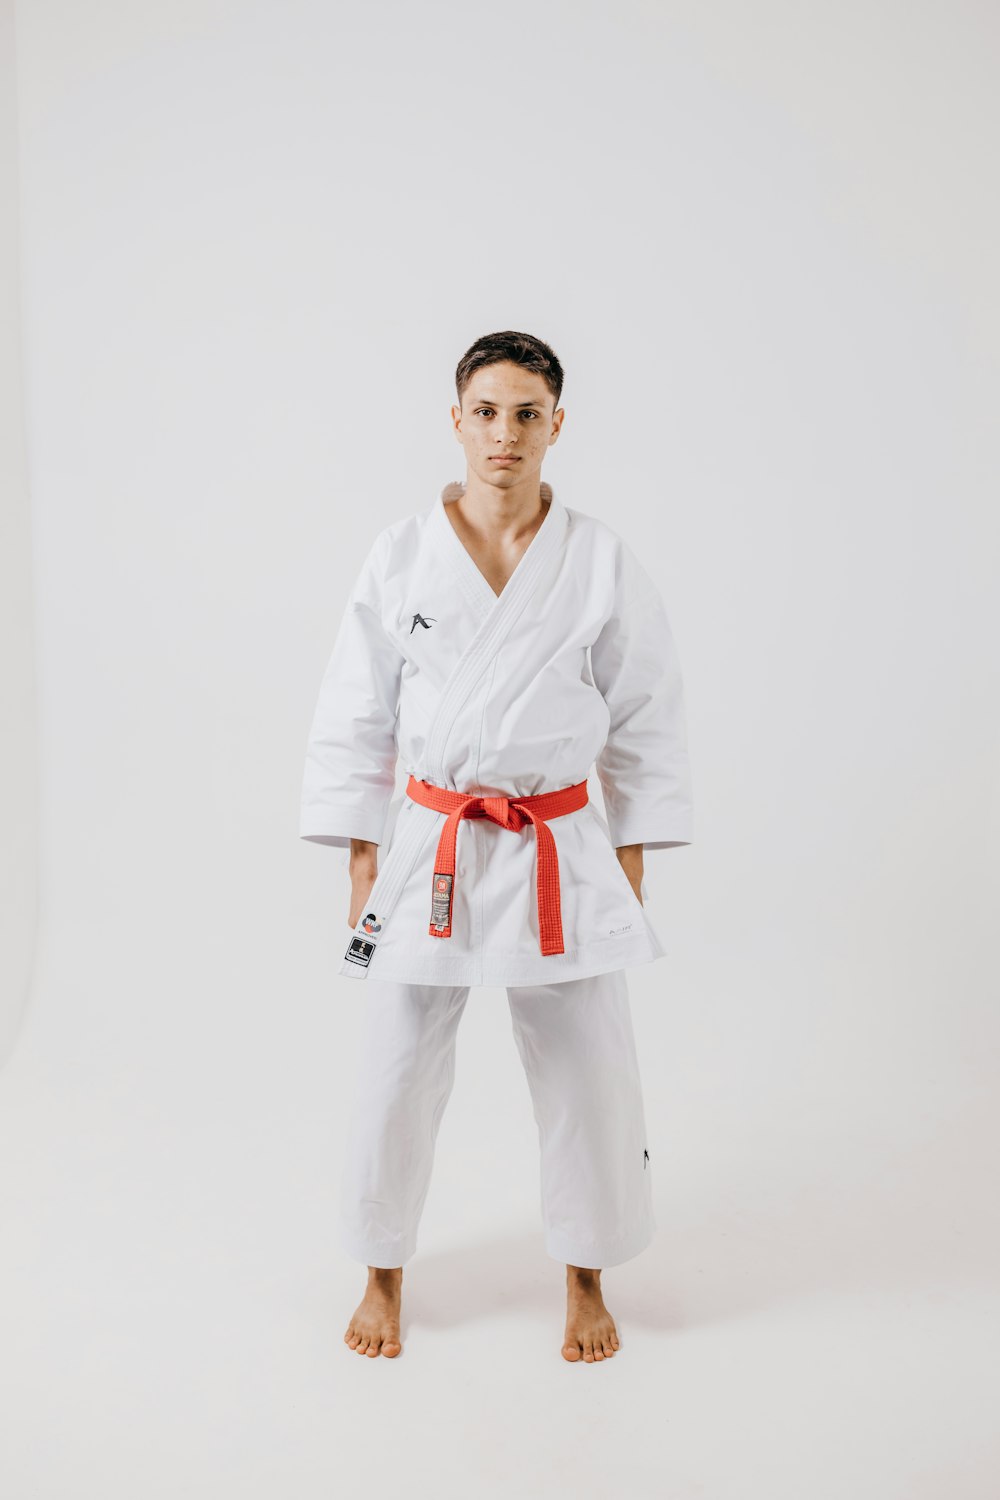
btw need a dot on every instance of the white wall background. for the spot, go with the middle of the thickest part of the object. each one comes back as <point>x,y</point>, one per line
<point>18,711</point>
<point>255,240</point>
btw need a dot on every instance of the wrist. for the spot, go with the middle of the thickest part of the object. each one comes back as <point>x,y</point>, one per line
<point>364,857</point>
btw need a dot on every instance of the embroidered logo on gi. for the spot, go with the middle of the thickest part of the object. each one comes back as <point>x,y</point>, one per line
<point>370,923</point>
<point>615,931</point>
<point>645,1158</point>
<point>419,620</point>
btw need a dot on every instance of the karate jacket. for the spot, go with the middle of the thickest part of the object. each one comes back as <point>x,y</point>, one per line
<point>571,667</point>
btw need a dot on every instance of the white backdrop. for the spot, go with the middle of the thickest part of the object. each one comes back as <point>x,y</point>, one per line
<point>255,240</point>
<point>18,710</point>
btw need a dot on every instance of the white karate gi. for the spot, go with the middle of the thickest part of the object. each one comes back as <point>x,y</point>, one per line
<point>514,695</point>
<point>572,665</point>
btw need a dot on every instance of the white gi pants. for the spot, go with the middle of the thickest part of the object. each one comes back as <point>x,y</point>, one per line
<point>577,1046</point>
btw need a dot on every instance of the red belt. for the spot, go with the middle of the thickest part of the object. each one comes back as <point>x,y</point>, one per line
<point>508,812</point>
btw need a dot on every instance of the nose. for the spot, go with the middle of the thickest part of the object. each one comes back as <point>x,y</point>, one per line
<point>507,435</point>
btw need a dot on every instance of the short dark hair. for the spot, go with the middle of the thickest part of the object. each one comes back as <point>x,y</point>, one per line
<point>520,349</point>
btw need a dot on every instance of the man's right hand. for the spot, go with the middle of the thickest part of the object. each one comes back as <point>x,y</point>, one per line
<point>364,869</point>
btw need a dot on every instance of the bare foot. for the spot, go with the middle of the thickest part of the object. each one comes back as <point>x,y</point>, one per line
<point>374,1327</point>
<point>590,1328</point>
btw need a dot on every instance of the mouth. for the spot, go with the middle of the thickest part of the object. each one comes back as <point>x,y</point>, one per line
<point>504,458</point>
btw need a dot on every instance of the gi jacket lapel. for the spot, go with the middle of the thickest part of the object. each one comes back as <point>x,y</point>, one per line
<point>497,612</point>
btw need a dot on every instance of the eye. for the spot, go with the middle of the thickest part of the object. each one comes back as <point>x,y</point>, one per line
<point>482,410</point>
<point>529,414</point>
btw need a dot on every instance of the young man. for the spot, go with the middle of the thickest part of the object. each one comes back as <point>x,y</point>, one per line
<point>500,643</point>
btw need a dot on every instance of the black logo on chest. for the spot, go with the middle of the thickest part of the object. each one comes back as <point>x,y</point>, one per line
<point>419,620</point>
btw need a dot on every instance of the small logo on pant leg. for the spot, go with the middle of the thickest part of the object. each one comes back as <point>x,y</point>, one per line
<point>645,1158</point>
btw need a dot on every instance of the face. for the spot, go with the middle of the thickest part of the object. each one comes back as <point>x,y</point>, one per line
<point>506,411</point>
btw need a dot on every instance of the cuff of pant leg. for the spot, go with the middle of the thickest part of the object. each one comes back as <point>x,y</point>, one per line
<point>611,1252</point>
<point>384,1255</point>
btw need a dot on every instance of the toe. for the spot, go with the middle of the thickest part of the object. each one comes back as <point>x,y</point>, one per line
<point>608,1348</point>
<point>391,1347</point>
<point>588,1350</point>
<point>571,1350</point>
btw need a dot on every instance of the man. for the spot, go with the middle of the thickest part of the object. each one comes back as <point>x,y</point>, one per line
<point>499,644</point>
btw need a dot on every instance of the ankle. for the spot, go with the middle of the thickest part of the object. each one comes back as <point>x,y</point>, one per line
<point>583,1276</point>
<point>385,1275</point>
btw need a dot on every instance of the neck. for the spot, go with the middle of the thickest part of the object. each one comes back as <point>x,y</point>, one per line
<point>507,512</point>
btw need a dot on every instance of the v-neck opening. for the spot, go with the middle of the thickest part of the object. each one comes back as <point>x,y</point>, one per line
<point>454,491</point>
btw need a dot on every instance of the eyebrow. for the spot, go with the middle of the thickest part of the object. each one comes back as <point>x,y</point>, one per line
<point>485,401</point>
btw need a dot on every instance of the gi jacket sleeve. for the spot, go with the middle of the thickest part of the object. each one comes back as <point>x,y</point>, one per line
<point>350,769</point>
<point>643,768</point>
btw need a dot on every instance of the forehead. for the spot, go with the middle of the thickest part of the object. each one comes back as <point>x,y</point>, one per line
<point>509,384</point>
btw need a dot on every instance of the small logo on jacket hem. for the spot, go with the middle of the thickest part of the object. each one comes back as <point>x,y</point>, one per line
<point>362,945</point>
<point>360,952</point>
